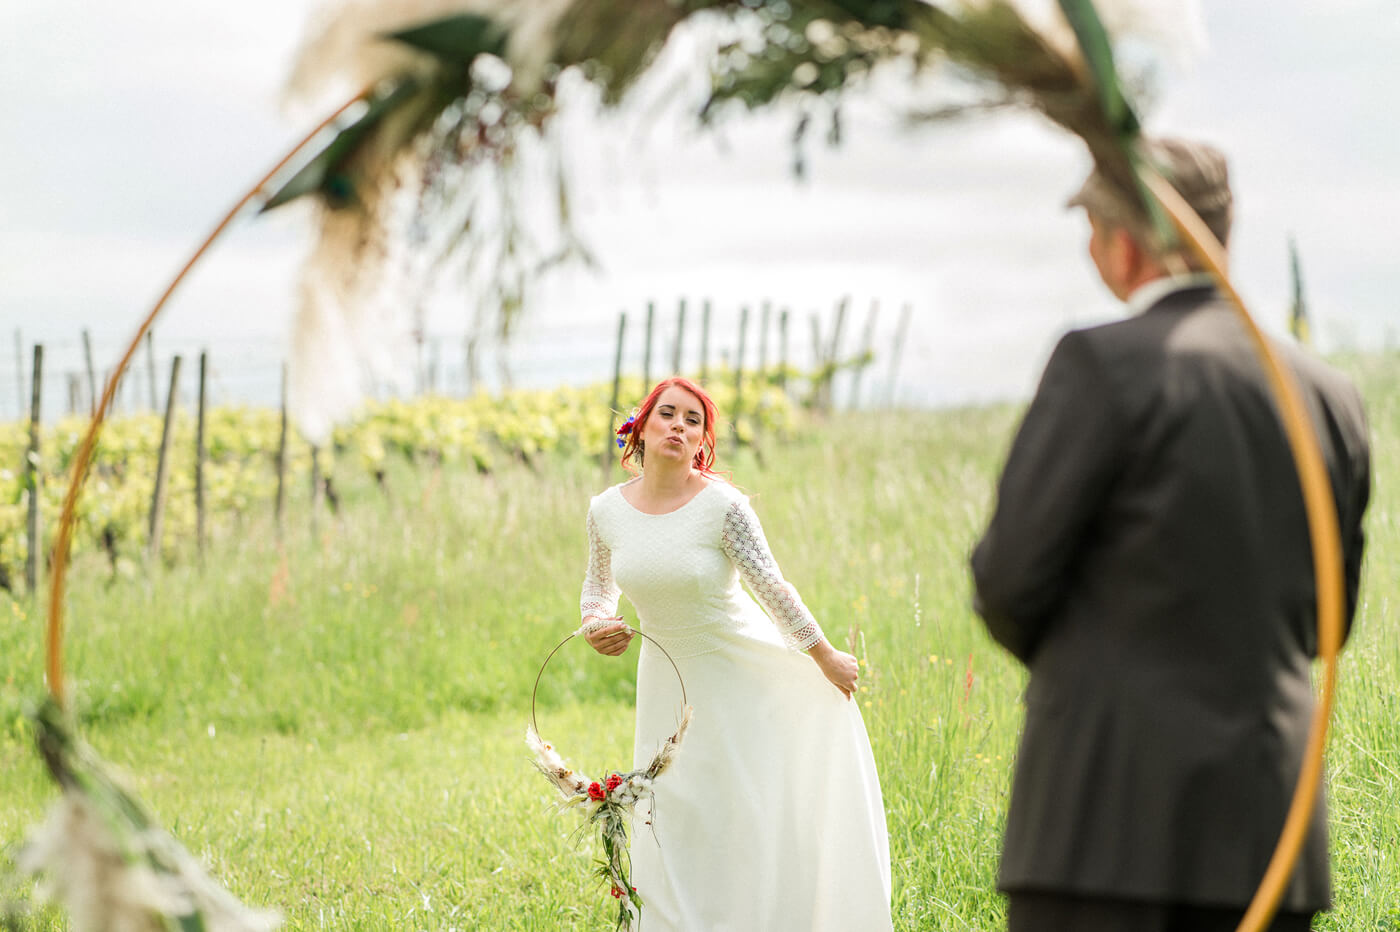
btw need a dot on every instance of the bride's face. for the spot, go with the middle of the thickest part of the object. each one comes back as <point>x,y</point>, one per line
<point>675,427</point>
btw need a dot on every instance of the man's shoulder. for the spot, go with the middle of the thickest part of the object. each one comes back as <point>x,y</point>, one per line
<point>1331,383</point>
<point>1191,322</point>
<point>1191,329</point>
<point>1120,343</point>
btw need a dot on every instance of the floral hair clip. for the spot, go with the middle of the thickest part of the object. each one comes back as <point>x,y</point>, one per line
<point>626,429</point>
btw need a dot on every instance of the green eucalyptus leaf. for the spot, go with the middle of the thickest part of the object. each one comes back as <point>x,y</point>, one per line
<point>1098,55</point>
<point>1118,111</point>
<point>457,39</point>
<point>193,922</point>
<point>322,174</point>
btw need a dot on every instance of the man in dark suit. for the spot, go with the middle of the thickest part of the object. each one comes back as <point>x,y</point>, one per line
<point>1149,561</point>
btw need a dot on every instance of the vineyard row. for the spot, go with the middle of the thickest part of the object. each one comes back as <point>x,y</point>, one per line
<point>240,468</point>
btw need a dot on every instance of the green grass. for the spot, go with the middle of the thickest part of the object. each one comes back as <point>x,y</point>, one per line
<point>335,724</point>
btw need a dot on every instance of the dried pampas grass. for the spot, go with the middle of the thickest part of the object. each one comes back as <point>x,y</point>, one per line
<point>398,183</point>
<point>142,882</point>
<point>1030,53</point>
<point>102,857</point>
<point>1174,28</point>
<point>442,128</point>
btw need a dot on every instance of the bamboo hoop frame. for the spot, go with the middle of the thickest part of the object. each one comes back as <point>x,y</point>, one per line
<point>1324,534</point>
<point>63,540</point>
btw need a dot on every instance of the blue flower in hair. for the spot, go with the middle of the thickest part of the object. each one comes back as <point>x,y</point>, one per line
<point>624,430</point>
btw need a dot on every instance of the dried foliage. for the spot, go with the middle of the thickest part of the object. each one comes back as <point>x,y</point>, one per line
<point>108,862</point>
<point>458,92</point>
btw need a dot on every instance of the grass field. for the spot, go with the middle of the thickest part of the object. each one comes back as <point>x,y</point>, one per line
<point>335,723</point>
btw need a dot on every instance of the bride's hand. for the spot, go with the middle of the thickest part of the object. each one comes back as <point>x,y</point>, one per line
<point>839,667</point>
<point>610,639</point>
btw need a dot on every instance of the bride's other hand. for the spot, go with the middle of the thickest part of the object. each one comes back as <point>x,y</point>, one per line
<point>609,639</point>
<point>839,667</point>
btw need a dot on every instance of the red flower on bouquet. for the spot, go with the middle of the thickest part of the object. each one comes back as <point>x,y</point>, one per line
<point>614,782</point>
<point>596,792</point>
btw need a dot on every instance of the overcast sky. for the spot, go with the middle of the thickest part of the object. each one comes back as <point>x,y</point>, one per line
<point>129,128</point>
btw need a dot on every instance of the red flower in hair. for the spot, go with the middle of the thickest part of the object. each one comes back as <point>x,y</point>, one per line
<point>625,429</point>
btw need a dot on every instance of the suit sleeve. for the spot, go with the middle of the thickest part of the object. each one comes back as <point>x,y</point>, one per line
<point>1353,533</point>
<point>1066,454</point>
<point>1339,416</point>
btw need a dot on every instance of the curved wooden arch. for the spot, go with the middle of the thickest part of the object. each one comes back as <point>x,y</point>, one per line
<point>1319,504</point>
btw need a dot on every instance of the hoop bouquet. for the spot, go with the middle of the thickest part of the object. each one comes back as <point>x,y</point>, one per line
<point>607,805</point>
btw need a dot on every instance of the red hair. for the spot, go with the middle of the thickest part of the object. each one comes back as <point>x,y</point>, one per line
<point>705,456</point>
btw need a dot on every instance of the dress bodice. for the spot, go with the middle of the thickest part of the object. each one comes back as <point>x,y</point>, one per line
<point>682,572</point>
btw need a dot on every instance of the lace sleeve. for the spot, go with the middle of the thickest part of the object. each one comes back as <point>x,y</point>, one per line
<point>600,593</point>
<point>744,544</point>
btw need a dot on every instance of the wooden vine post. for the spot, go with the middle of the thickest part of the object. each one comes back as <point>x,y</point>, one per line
<point>704,341</point>
<point>91,371</point>
<point>280,502</point>
<point>151,368</point>
<point>609,443</point>
<point>739,375</point>
<point>680,339</point>
<point>158,495</point>
<point>900,333</point>
<point>646,347</point>
<point>783,350</point>
<point>316,488</point>
<point>34,479</point>
<point>867,348</point>
<point>833,354</point>
<point>199,455</point>
<point>763,326</point>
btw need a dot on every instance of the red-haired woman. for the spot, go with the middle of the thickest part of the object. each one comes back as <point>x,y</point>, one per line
<point>771,817</point>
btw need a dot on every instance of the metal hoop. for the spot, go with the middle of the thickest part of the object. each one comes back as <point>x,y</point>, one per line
<point>538,676</point>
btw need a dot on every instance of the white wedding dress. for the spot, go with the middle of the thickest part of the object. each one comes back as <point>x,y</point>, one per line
<point>770,820</point>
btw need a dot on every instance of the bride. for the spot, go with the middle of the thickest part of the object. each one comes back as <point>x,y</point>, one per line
<point>771,817</point>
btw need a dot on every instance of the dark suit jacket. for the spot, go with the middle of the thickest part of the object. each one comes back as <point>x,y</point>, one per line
<point>1149,561</point>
